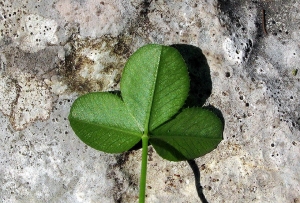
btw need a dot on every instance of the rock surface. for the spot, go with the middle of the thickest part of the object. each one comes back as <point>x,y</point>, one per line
<point>52,51</point>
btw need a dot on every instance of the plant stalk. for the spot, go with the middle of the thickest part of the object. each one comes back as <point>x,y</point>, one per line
<point>145,139</point>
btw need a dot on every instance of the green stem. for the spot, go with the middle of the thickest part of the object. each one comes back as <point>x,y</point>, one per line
<point>145,139</point>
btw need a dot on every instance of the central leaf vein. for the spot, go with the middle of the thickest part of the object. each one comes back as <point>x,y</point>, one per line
<point>153,95</point>
<point>114,128</point>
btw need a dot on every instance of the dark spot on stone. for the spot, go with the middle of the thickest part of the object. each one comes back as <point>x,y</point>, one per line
<point>145,8</point>
<point>123,46</point>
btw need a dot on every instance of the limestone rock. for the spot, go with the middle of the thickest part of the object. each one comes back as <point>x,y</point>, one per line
<point>52,51</point>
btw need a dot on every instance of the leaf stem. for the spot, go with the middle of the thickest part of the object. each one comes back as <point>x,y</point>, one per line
<point>145,139</point>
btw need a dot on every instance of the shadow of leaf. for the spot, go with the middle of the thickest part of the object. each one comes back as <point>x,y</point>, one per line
<point>199,188</point>
<point>199,72</point>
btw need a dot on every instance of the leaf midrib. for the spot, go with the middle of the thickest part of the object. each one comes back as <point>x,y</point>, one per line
<point>152,96</point>
<point>118,129</point>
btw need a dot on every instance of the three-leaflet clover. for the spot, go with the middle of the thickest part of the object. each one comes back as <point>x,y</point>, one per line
<point>154,87</point>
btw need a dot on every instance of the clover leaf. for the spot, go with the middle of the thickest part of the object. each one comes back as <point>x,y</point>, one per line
<point>154,87</point>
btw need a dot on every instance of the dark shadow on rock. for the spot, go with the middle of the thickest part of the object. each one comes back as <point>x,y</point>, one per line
<point>199,188</point>
<point>199,73</point>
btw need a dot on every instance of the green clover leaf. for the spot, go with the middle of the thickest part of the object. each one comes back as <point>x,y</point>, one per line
<point>154,87</point>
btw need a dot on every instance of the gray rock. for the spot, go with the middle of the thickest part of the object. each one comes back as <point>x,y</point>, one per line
<point>53,51</point>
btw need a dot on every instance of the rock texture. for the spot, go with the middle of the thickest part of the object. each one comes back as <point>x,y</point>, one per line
<point>52,51</point>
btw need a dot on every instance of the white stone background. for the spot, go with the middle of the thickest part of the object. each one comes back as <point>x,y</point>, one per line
<point>52,51</point>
